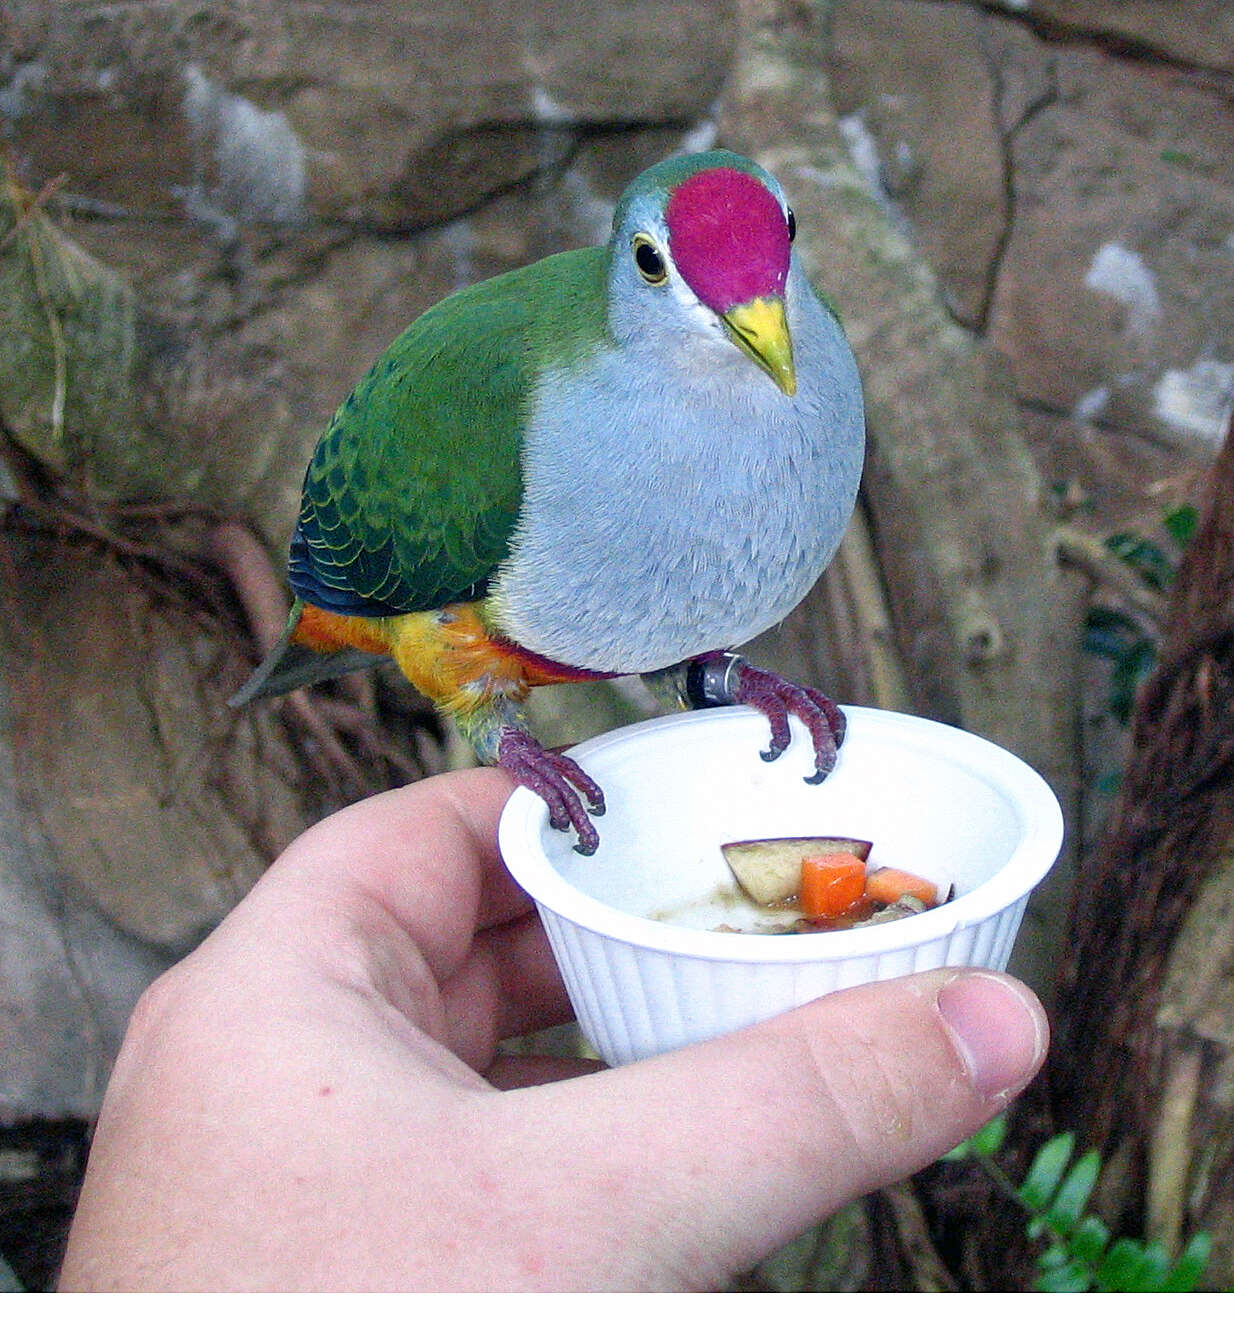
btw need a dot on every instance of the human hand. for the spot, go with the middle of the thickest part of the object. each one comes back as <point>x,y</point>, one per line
<point>314,1098</point>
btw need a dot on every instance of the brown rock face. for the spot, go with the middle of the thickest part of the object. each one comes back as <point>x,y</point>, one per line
<point>1076,197</point>
<point>936,137</point>
<point>387,115</point>
<point>285,186</point>
<point>1193,32</point>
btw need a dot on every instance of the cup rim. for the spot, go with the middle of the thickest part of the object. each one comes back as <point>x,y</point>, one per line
<point>525,816</point>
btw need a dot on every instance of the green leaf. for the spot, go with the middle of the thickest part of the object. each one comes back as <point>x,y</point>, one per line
<point>1105,643</point>
<point>1189,1267</point>
<point>1109,632</point>
<point>1119,1269</point>
<point>1145,556</point>
<point>1069,1201</point>
<point>1181,523</point>
<point>988,1140</point>
<point>1089,1240</point>
<point>1154,1268</point>
<point>1073,1277</point>
<point>1128,673</point>
<point>1047,1170</point>
<point>1054,1257</point>
<point>1078,1255</point>
<point>1106,618</point>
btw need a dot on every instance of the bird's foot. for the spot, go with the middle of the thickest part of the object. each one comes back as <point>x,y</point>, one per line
<point>558,780</point>
<point>777,698</point>
<point>723,678</point>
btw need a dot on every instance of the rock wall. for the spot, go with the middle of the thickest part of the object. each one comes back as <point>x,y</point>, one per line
<point>1067,168</point>
<point>279,187</point>
<point>288,185</point>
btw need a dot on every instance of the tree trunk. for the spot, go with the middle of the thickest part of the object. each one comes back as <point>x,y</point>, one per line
<point>1145,1043</point>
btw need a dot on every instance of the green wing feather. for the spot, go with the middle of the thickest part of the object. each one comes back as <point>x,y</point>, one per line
<point>415,488</point>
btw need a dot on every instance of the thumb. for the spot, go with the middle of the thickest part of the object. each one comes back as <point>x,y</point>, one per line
<point>726,1150</point>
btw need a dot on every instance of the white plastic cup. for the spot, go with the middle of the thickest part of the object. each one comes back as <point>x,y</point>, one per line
<point>945,804</point>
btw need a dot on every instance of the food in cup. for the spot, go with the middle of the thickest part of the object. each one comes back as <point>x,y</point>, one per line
<point>822,883</point>
<point>769,870</point>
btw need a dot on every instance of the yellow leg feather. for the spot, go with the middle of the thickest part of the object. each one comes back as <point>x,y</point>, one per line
<point>449,656</point>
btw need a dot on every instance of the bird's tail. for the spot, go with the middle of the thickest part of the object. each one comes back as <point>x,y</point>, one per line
<point>291,664</point>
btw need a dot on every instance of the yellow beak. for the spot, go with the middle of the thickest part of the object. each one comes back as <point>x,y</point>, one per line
<point>760,329</point>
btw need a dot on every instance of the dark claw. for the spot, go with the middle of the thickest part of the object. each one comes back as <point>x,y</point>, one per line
<point>559,781</point>
<point>777,698</point>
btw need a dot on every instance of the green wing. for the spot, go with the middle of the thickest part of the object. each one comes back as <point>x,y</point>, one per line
<point>412,496</point>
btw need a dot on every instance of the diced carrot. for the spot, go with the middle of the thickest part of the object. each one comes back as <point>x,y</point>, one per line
<point>831,884</point>
<point>888,884</point>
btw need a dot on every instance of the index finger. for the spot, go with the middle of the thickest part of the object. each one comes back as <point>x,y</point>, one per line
<point>425,855</point>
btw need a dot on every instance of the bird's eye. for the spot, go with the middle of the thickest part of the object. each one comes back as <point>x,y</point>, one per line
<point>648,260</point>
<point>792,224</point>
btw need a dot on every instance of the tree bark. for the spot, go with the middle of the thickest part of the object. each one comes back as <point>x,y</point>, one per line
<point>1145,1037</point>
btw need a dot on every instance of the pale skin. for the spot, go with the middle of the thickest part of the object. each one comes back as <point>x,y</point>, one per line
<point>314,1098</point>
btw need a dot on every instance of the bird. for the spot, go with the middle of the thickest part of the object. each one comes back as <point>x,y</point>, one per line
<point>627,459</point>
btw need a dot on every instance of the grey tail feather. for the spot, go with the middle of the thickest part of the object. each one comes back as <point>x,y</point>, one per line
<point>290,665</point>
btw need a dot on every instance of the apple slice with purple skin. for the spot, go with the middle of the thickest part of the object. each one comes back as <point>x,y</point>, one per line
<point>769,870</point>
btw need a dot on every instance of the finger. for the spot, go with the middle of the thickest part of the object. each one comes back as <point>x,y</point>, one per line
<point>726,1150</point>
<point>508,985</point>
<point>425,856</point>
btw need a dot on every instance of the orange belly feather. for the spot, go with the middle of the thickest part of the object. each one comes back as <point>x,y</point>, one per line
<point>449,655</point>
